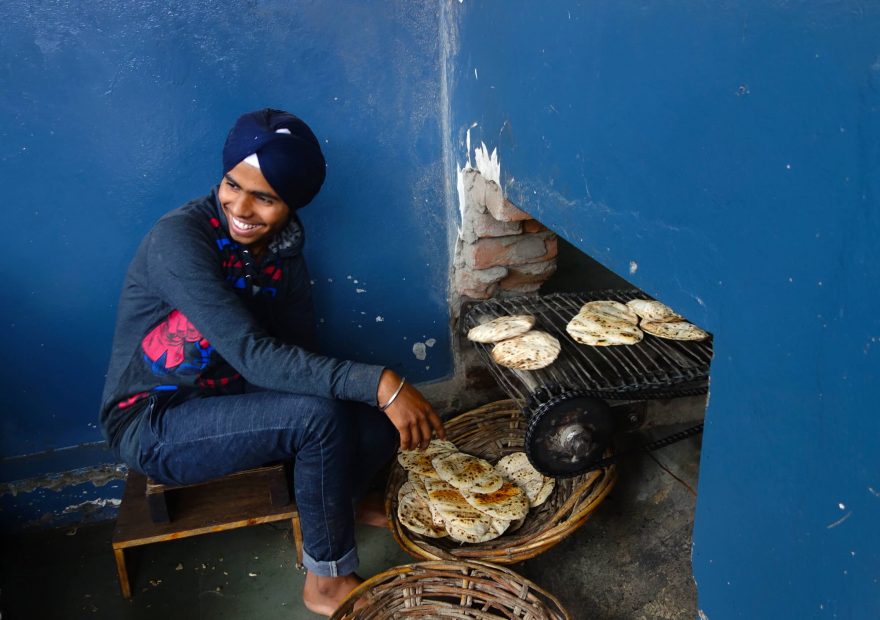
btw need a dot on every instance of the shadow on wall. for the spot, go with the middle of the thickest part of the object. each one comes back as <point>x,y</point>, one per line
<point>577,272</point>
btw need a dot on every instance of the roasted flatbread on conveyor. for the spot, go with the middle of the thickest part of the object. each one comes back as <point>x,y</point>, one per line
<point>650,310</point>
<point>605,323</point>
<point>531,351</point>
<point>419,461</point>
<point>468,473</point>
<point>602,330</point>
<point>502,328</point>
<point>508,503</point>
<point>415,513</point>
<point>674,330</point>
<point>517,468</point>
<point>610,308</point>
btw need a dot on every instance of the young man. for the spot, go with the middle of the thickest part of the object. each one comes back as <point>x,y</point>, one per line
<point>214,368</point>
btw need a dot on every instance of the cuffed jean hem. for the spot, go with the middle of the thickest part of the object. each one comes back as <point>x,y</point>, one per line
<point>345,565</point>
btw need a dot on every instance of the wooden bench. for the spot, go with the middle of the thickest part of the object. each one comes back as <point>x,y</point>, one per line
<point>167,513</point>
<point>160,496</point>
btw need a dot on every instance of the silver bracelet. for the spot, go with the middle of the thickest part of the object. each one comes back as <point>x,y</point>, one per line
<point>393,396</point>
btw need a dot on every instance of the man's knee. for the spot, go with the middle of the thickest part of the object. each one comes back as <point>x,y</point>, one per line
<point>327,418</point>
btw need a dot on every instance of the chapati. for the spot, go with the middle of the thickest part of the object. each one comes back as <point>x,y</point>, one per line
<point>463,522</point>
<point>612,308</point>
<point>651,310</point>
<point>502,328</point>
<point>517,468</point>
<point>531,351</point>
<point>602,330</point>
<point>414,513</point>
<point>415,481</point>
<point>467,472</point>
<point>508,502</point>
<point>405,489</point>
<point>674,330</point>
<point>544,493</point>
<point>465,534</point>
<point>419,461</point>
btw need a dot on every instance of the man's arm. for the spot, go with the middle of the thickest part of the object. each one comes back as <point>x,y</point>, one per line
<point>183,269</point>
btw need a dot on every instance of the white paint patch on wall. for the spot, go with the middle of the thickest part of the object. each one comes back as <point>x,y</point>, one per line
<point>420,351</point>
<point>487,164</point>
<point>459,186</point>
<point>95,503</point>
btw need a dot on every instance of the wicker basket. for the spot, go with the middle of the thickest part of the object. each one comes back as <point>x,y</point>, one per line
<point>491,432</point>
<point>459,590</point>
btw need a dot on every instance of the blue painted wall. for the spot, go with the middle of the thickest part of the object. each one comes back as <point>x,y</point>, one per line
<point>112,113</point>
<point>725,157</point>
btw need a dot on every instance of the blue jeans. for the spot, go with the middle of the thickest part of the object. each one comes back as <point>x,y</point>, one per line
<point>337,447</point>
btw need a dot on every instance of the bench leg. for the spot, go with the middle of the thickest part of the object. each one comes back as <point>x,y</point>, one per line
<point>158,504</point>
<point>297,540</point>
<point>124,583</point>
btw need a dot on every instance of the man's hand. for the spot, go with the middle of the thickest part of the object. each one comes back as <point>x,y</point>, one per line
<point>410,413</point>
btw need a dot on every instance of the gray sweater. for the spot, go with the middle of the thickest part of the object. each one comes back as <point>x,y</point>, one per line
<point>199,317</point>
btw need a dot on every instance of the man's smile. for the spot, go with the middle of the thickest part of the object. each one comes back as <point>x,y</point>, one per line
<point>241,225</point>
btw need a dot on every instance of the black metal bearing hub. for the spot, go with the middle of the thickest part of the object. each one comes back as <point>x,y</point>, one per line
<point>568,433</point>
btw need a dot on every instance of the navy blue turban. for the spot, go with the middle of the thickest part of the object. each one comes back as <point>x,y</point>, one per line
<point>289,154</point>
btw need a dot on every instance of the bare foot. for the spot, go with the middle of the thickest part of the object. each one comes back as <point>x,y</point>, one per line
<point>371,511</point>
<point>322,595</point>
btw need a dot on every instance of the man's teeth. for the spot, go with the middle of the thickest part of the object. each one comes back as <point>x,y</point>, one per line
<point>239,224</point>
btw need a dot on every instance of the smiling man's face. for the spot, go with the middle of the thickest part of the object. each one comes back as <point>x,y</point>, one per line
<point>253,209</point>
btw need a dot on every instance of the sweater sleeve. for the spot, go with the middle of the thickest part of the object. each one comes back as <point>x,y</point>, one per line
<point>183,270</point>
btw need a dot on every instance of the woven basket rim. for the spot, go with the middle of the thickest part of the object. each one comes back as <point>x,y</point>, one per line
<point>588,491</point>
<point>455,571</point>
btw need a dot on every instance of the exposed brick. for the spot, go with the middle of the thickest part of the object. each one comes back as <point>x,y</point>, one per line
<point>533,226</point>
<point>519,290</point>
<point>515,250</point>
<point>478,283</point>
<point>552,245</point>
<point>501,208</point>
<point>483,276</point>
<point>488,226</point>
<point>478,225</point>
<point>528,274</point>
<point>543,268</point>
<point>486,292</point>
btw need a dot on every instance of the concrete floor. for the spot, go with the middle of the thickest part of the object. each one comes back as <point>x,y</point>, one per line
<point>631,560</point>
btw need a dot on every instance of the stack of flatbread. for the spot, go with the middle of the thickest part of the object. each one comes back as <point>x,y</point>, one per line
<point>605,323</point>
<point>450,493</point>
<point>662,321</point>
<point>517,345</point>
